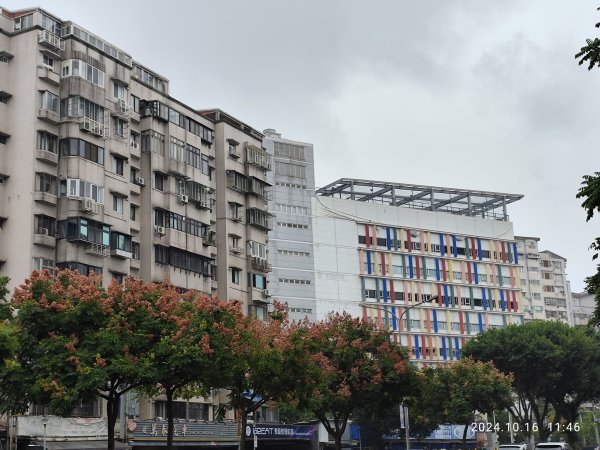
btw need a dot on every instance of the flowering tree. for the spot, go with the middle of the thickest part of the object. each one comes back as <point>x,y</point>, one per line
<point>345,364</point>
<point>81,341</point>
<point>191,343</point>
<point>260,366</point>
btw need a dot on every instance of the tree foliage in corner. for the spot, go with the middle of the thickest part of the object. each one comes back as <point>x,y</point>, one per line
<point>590,53</point>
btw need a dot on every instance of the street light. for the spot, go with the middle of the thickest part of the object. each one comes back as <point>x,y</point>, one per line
<point>379,306</point>
<point>45,422</point>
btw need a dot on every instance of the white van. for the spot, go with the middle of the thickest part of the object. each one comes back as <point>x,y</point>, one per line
<point>513,447</point>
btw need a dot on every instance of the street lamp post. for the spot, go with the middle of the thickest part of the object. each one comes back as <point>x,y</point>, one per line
<point>379,306</point>
<point>44,422</point>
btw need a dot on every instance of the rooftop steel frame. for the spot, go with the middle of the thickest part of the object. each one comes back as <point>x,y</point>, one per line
<point>464,202</point>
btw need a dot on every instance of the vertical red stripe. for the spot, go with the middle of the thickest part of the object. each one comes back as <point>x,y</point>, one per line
<point>508,301</point>
<point>439,294</point>
<point>516,305</point>
<point>473,249</point>
<point>365,318</point>
<point>461,323</point>
<point>418,266</point>
<point>392,293</point>
<point>367,236</point>
<point>423,346</point>
<point>383,264</point>
<point>408,241</point>
<point>469,274</point>
<point>444,269</point>
<point>428,314</point>
<point>503,251</point>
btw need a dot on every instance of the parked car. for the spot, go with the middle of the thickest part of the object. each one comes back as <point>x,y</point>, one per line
<point>513,447</point>
<point>552,446</point>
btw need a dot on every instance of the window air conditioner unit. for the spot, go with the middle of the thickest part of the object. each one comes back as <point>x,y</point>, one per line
<point>87,205</point>
<point>140,181</point>
<point>184,199</point>
<point>160,230</point>
<point>134,144</point>
<point>266,293</point>
<point>44,231</point>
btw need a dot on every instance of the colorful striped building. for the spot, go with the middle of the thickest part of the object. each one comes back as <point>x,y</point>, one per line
<point>435,266</point>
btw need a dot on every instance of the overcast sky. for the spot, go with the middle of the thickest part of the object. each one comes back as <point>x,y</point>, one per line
<point>478,94</point>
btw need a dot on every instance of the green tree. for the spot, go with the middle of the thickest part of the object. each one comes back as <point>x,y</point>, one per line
<point>5,309</point>
<point>590,53</point>
<point>590,192</point>
<point>80,341</point>
<point>345,364</point>
<point>552,364</point>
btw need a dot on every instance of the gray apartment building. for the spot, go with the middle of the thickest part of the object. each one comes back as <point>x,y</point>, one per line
<point>102,171</point>
<point>292,280</point>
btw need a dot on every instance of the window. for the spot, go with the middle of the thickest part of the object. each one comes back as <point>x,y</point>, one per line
<point>118,164</point>
<point>50,24</point>
<point>205,133</point>
<point>3,59</point>
<point>237,181</point>
<point>235,210</point>
<point>160,181</point>
<point>235,275</point>
<point>133,212</point>
<point>164,218</point>
<point>119,91</point>
<point>3,138</point>
<point>290,170</point>
<point>153,141</point>
<point>120,127</point>
<point>44,182</point>
<point>120,241</point>
<point>118,277</point>
<point>134,103</point>
<point>257,281</point>
<point>257,249</point>
<point>289,150</point>
<point>182,259</point>
<point>118,203</point>
<point>23,22</point>
<point>177,149</point>
<point>84,189</point>
<point>135,250</point>
<point>82,107</point>
<point>151,79</point>
<point>258,218</point>
<point>82,229</point>
<point>48,62</point>
<point>47,141</point>
<point>44,225</point>
<point>49,101</point>
<point>81,69</point>
<point>83,149</point>
<point>42,264</point>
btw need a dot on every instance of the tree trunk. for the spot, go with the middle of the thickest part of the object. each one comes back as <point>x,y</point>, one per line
<point>112,407</point>
<point>338,441</point>
<point>169,393</point>
<point>244,422</point>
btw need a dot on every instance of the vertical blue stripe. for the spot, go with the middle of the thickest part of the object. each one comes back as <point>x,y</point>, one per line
<point>515,252</point>
<point>479,249</point>
<point>442,249</point>
<point>437,269</point>
<point>417,348</point>
<point>369,263</point>
<point>410,266</point>
<point>502,302</point>
<point>388,238</point>
<point>457,348</point>
<point>444,354</point>
<point>454,250</point>
<point>435,324</point>
<point>394,320</point>
<point>476,273</point>
<point>484,299</point>
<point>446,295</point>
<point>480,317</point>
<point>385,291</point>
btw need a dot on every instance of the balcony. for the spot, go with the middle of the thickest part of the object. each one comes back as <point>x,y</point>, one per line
<point>47,74</point>
<point>45,197</point>
<point>234,250</point>
<point>135,150</point>
<point>44,239</point>
<point>97,249</point>
<point>121,110</point>
<point>93,127</point>
<point>45,155</point>
<point>261,264</point>
<point>50,41</point>
<point>48,116</point>
<point>257,156</point>
<point>209,239</point>
<point>134,264</point>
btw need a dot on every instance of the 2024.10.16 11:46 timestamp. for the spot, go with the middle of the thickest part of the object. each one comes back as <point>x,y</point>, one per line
<point>489,427</point>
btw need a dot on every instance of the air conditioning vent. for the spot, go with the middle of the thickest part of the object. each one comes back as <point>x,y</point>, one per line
<point>140,181</point>
<point>184,199</point>
<point>134,145</point>
<point>44,231</point>
<point>87,205</point>
<point>266,293</point>
<point>160,230</point>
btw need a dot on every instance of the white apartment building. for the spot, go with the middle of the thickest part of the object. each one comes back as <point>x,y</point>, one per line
<point>545,288</point>
<point>582,308</point>
<point>102,171</point>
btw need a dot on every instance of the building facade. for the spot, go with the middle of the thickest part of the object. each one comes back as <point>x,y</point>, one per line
<point>545,288</point>
<point>291,240</point>
<point>435,266</point>
<point>582,308</point>
<point>102,171</point>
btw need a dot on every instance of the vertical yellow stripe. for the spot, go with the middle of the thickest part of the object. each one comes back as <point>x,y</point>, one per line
<point>429,242</point>
<point>450,271</point>
<point>361,261</point>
